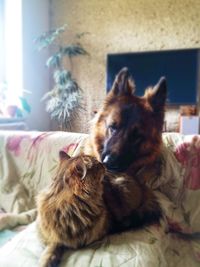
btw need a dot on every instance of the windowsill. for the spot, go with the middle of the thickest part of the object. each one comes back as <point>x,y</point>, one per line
<point>10,120</point>
<point>13,124</point>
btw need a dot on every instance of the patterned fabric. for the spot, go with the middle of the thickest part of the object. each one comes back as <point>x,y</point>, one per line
<point>187,152</point>
<point>28,160</point>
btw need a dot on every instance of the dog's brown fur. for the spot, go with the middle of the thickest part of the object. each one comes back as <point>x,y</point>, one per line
<point>84,203</point>
<point>127,131</point>
<point>129,204</point>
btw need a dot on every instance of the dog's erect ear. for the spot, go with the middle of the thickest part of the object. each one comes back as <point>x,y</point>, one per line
<point>157,97</point>
<point>63,155</point>
<point>123,84</point>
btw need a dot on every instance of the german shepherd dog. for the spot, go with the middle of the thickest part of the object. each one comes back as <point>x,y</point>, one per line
<point>85,201</point>
<point>127,131</point>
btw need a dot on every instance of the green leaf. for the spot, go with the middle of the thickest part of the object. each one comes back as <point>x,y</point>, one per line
<point>74,50</point>
<point>25,104</point>
<point>62,76</point>
<point>54,61</point>
<point>48,38</point>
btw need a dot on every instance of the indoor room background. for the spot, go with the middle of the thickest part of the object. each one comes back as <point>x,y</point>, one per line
<point>113,26</point>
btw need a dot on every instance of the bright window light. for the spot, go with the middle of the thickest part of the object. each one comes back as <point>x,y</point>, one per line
<point>13,49</point>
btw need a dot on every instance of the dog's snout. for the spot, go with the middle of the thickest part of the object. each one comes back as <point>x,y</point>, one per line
<point>110,161</point>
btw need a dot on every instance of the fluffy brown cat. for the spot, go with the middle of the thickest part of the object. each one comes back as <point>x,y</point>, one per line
<point>84,203</point>
<point>71,212</point>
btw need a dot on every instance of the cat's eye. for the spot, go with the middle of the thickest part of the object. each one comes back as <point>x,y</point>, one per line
<point>81,170</point>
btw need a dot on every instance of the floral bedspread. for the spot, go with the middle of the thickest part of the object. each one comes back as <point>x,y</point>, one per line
<point>28,163</point>
<point>29,159</point>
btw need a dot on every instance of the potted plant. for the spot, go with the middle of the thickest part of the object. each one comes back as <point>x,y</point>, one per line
<point>63,102</point>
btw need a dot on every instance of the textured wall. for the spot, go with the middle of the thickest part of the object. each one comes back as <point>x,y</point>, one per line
<point>123,26</point>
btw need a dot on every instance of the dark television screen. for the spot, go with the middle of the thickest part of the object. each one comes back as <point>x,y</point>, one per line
<point>180,67</point>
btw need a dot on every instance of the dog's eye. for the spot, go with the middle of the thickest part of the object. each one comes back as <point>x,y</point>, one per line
<point>112,128</point>
<point>136,136</point>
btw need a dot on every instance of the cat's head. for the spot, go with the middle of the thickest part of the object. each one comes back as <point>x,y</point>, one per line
<point>81,173</point>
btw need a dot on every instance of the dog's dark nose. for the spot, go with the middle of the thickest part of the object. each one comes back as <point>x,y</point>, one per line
<point>110,161</point>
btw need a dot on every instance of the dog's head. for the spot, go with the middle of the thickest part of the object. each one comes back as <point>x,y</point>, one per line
<point>128,128</point>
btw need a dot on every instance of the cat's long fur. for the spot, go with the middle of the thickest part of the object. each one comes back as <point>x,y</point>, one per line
<point>71,211</point>
<point>84,203</point>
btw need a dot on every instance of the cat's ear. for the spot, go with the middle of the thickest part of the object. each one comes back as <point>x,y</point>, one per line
<point>81,169</point>
<point>123,83</point>
<point>63,155</point>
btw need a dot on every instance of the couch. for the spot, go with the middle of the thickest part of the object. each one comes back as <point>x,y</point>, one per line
<point>28,163</point>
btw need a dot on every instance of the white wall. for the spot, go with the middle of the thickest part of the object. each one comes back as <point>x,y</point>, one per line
<point>36,76</point>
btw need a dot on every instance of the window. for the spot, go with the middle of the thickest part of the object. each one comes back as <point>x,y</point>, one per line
<point>11,78</point>
<point>2,43</point>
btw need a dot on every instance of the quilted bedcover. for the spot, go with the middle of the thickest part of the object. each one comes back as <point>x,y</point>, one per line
<point>28,162</point>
